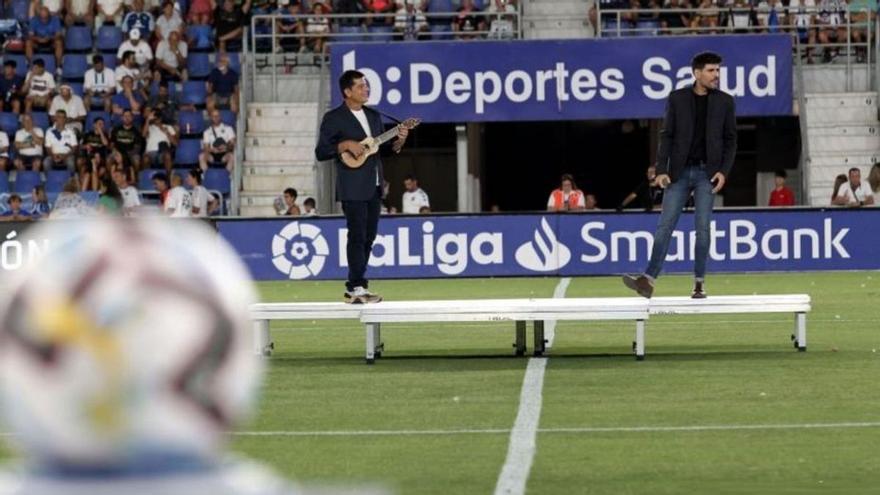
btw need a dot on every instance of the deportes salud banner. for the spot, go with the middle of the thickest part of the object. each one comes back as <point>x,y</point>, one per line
<point>613,78</point>
<point>557,245</point>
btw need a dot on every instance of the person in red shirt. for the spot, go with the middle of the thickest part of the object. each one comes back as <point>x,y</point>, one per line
<point>781,195</point>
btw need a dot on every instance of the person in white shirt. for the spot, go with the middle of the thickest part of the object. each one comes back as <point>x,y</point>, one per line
<point>414,198</point>
<point>130,197</point>
<point>99,83</point>
<point>218,144</point>
<point>201,199</point>
<point>410,22</point>
<point>143,54</point>
<point>80,11</point>
<point>29,144</point>
<point>160,137</point>
<point>309,208</point>
<point>73,107</point>
<point>39,85</point>
<point>171,58</point>
<point>854,193</point>
<point>61,144</point>
<point>4,151</point>
<point>501,25</point>
<point>108,11</point>
<point>568,197</point>
<point>179,201</point>
<point>168,22</point>
<point>128,67</point>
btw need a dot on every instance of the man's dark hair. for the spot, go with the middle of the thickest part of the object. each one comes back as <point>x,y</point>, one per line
<point>196,173</point>
<point>161,177</point>
<point>700,60</point>
<point>411,177</point>
<point>309,202</point>
<point>781,173</point>
<point>13,197</point>
<point>39,63</point>
<point>10,63</point>
<point>568,177</point>
<point>163,83</point>
<point>346,80</point>
<point>855,169</point>
<point>63,112</point>
<point>292,192</point>
<point>126,55</point>
<point>97,59</point>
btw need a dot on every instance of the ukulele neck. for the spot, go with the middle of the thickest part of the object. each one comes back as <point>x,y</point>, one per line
<point>387,135</point>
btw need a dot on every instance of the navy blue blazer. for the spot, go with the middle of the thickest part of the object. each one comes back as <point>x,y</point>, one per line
<point>339,124</point>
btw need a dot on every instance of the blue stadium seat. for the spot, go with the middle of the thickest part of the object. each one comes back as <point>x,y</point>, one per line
<point>154,88</point>
<point>610,27</point>
<point>25,180</point>
<point>234,61</point>
<point>193,93</point>
<point>109,39</point>
<point>183,173</point>
<point>8,123</point>
<point>201,38</point>
<point>90,197</point>
<point>217,179</point>
<point>188,152</point>
<point>41,120</point>
<point>78,39</point>
<point>198,65</point>
<point>74,66</point>
<point>191,123</point>
<point>90,120</point>
<point>110,61</point>
<point>77,88</point>
<point>145,180</point>
<point>48,62</point>
<point>19,10</point>
<point>4,181</point>
<point>228,118</point>
<point>441,31</point>
<point>353,34</point>
<point>647,28</point>
<point>55,180</point>
<point>439,6</point>
<point>21,63</point>
<point>381,33</point>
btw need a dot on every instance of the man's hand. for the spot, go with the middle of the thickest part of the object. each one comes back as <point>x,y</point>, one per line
<point>355,148</point>
<point>718,179</point>
<point>402,133</point>
<point>662,180</point>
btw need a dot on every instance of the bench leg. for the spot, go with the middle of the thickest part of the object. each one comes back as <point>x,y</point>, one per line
<point>262,339</point>
<point>540,343</point>
<point>520,339</point>
<point>640,340</point>
<point>800,328</point>
<point>377,338</point>
<point>370,330</point>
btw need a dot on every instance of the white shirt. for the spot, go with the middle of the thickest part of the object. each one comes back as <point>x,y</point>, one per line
<point>109,6</point>
<point>79,7</point>
<point>61,144</point>
<point>74,107</point>
<point>4,144</point>
<point>222,131</point>
<point>143,54</point>
<point>581,200</point>
<point>200,199</point>
<point>155,136</point>
<point>361,117</point>
<point>54,6</point>
<point>862,193</point>
<point>414,201</point>
<point>23,136</point>
<point>403,17</point>
<point>99,82</point>
<point>122,71</point>
<point>164,53</point>
<point>130,197</point>
<point>180,201</point>
<point>165,26</point>
<point>803,13</point>
<point>41,85</point>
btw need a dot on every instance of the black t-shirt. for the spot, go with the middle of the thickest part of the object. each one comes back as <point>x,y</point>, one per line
<point>9,86</point>
<point>466,21</point>
<point>673,19</point>
<point>226,21</point>
<point>647,196</point>
<point>92,140</point>
<point>126,140</point>
<point>697,153</point>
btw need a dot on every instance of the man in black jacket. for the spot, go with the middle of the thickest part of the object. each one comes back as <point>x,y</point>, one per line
<point>359,189</point>
<point>696,152</point>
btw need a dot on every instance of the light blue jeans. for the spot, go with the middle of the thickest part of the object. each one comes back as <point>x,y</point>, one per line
<point>676,196</point>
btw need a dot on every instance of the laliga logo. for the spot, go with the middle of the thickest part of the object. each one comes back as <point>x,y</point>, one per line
<point>299,250</point>
<point>550,253</point>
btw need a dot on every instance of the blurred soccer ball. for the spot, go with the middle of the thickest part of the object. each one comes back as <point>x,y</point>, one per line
<point>126,340</point>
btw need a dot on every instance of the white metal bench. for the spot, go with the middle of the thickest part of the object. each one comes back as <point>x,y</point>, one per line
<point>262,313</point>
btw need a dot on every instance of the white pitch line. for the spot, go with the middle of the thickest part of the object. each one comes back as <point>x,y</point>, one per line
<point>523,437</point>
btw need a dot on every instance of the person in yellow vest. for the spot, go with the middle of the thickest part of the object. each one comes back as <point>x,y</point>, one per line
<point>568,197</point>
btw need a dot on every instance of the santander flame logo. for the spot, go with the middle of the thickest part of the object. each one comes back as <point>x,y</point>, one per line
<point>545,253</point>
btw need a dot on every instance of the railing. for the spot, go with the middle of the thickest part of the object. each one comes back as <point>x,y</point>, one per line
<point>245,94</point>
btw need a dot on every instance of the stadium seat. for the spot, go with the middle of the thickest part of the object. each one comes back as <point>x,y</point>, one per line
<point>154,88</point>
<point>183,173</point>
<point>228,118</point>
<point>4,181</point>
<point>381,33</point>
<point>90,197</point>
<point>19,10</point>
<point>8,123</point>
<point>21,63</point>
<point>91,116</point>
<point>74,66</point>
<point>145,180</point>
<point>77,87</point>
<point>353,34</point>
<point>109,39</point>
<point>201,38</point>
<point>217,179</point>
<point>25,180</point>
<point>234,61</point>
<point>55,180</point>
<point>198,65</point>
<point>610,27</point>
<point>441,31</point>
<point>41,120</point>
<point>110,61</point>
<point>193,93</point>
<point>647,28</point>
<point>78,39</point>
<point>191,123</point>
<point>188,152</point>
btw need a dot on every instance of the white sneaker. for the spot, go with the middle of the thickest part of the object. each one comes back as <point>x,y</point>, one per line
<point>361,296</point>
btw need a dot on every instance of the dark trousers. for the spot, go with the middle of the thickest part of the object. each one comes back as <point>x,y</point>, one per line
<point>362,220</point>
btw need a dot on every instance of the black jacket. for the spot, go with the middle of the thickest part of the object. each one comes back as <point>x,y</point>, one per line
<point>678,129</point>
<point>339,124</point>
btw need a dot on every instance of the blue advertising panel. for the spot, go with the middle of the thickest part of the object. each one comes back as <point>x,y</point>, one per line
<point>613,78</point>
<point>548,244</point>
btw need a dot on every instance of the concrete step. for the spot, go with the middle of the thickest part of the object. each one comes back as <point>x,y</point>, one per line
<point>555,8</point>
<point>279,153</point>
<point>842,161</point>
<point>846,129</point>
<point>845,144</point>
<point>297,110</point>
<point>841,114</point>
<point>258,211</point>
<point>835,100</point>
<point>277,183</point>
<point>269,165</point>
<point>282,124</point>
<point>274,169</point>
<point>551,33</point>
<point>268,199</point>
<point>280,139</point>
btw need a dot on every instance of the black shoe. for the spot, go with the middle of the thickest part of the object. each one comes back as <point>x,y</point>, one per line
<point>640,284</point>
<point>699,291</point>
<point>361,296</point>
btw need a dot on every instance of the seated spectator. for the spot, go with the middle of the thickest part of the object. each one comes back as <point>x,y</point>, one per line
<point>425,210</point>
<point>874,179</point>
<point>69,203</point>
<point>4,152</point>
<point>831,26</point>
<point>40,207</point>
<point>201,12</point>
<point>130,197</point>
<point>11,86</point>
<point>79,12</point>
<point>45,35</point>
<point>317,28</point>
<point>863,13</point>
<point>62,144</point>
<point>72,105</point>
<point>287,206</point>
<point>838,181</point>
<point>97,141</point>
<point>229,20</point>
<point>88,171</point>
<point>771,15</point>
<point>309,208</point>
<point>179,201</point>
<point>465,24</point>
<point>802,17</point>
<point>379,7</point>
<point>14,213</point>
<point>164,104</point>
<point>676,22</point>
<point>414,197</point>
<point>55,7</point>
<point>349,7</point>
<point>218,144</point>
<point>410,22</point>
<point>127,141</point>
<point>648,195</point>
<point>171,59</point>
<point>108,12</point>
<point>138,19</point>
<point>169,22</point>
<point>502,24</point>
<point>590,202</point>
<point>161,139</point>
<point>740,17</point>
<point>854,193</point>
<point>706,19</point>
<point>39,86</point>
<point>160,184</point>
<point>29,145</point>
<point>201,198</point>
<point>127,100</point>
<point>110,199</point>
<point>99,84</point>
<point>143,54</point>
<point>568,197</point>
<point>222,86</point>
<point>288,26</point>
<point>781,195</point>
<point>128,67</point>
